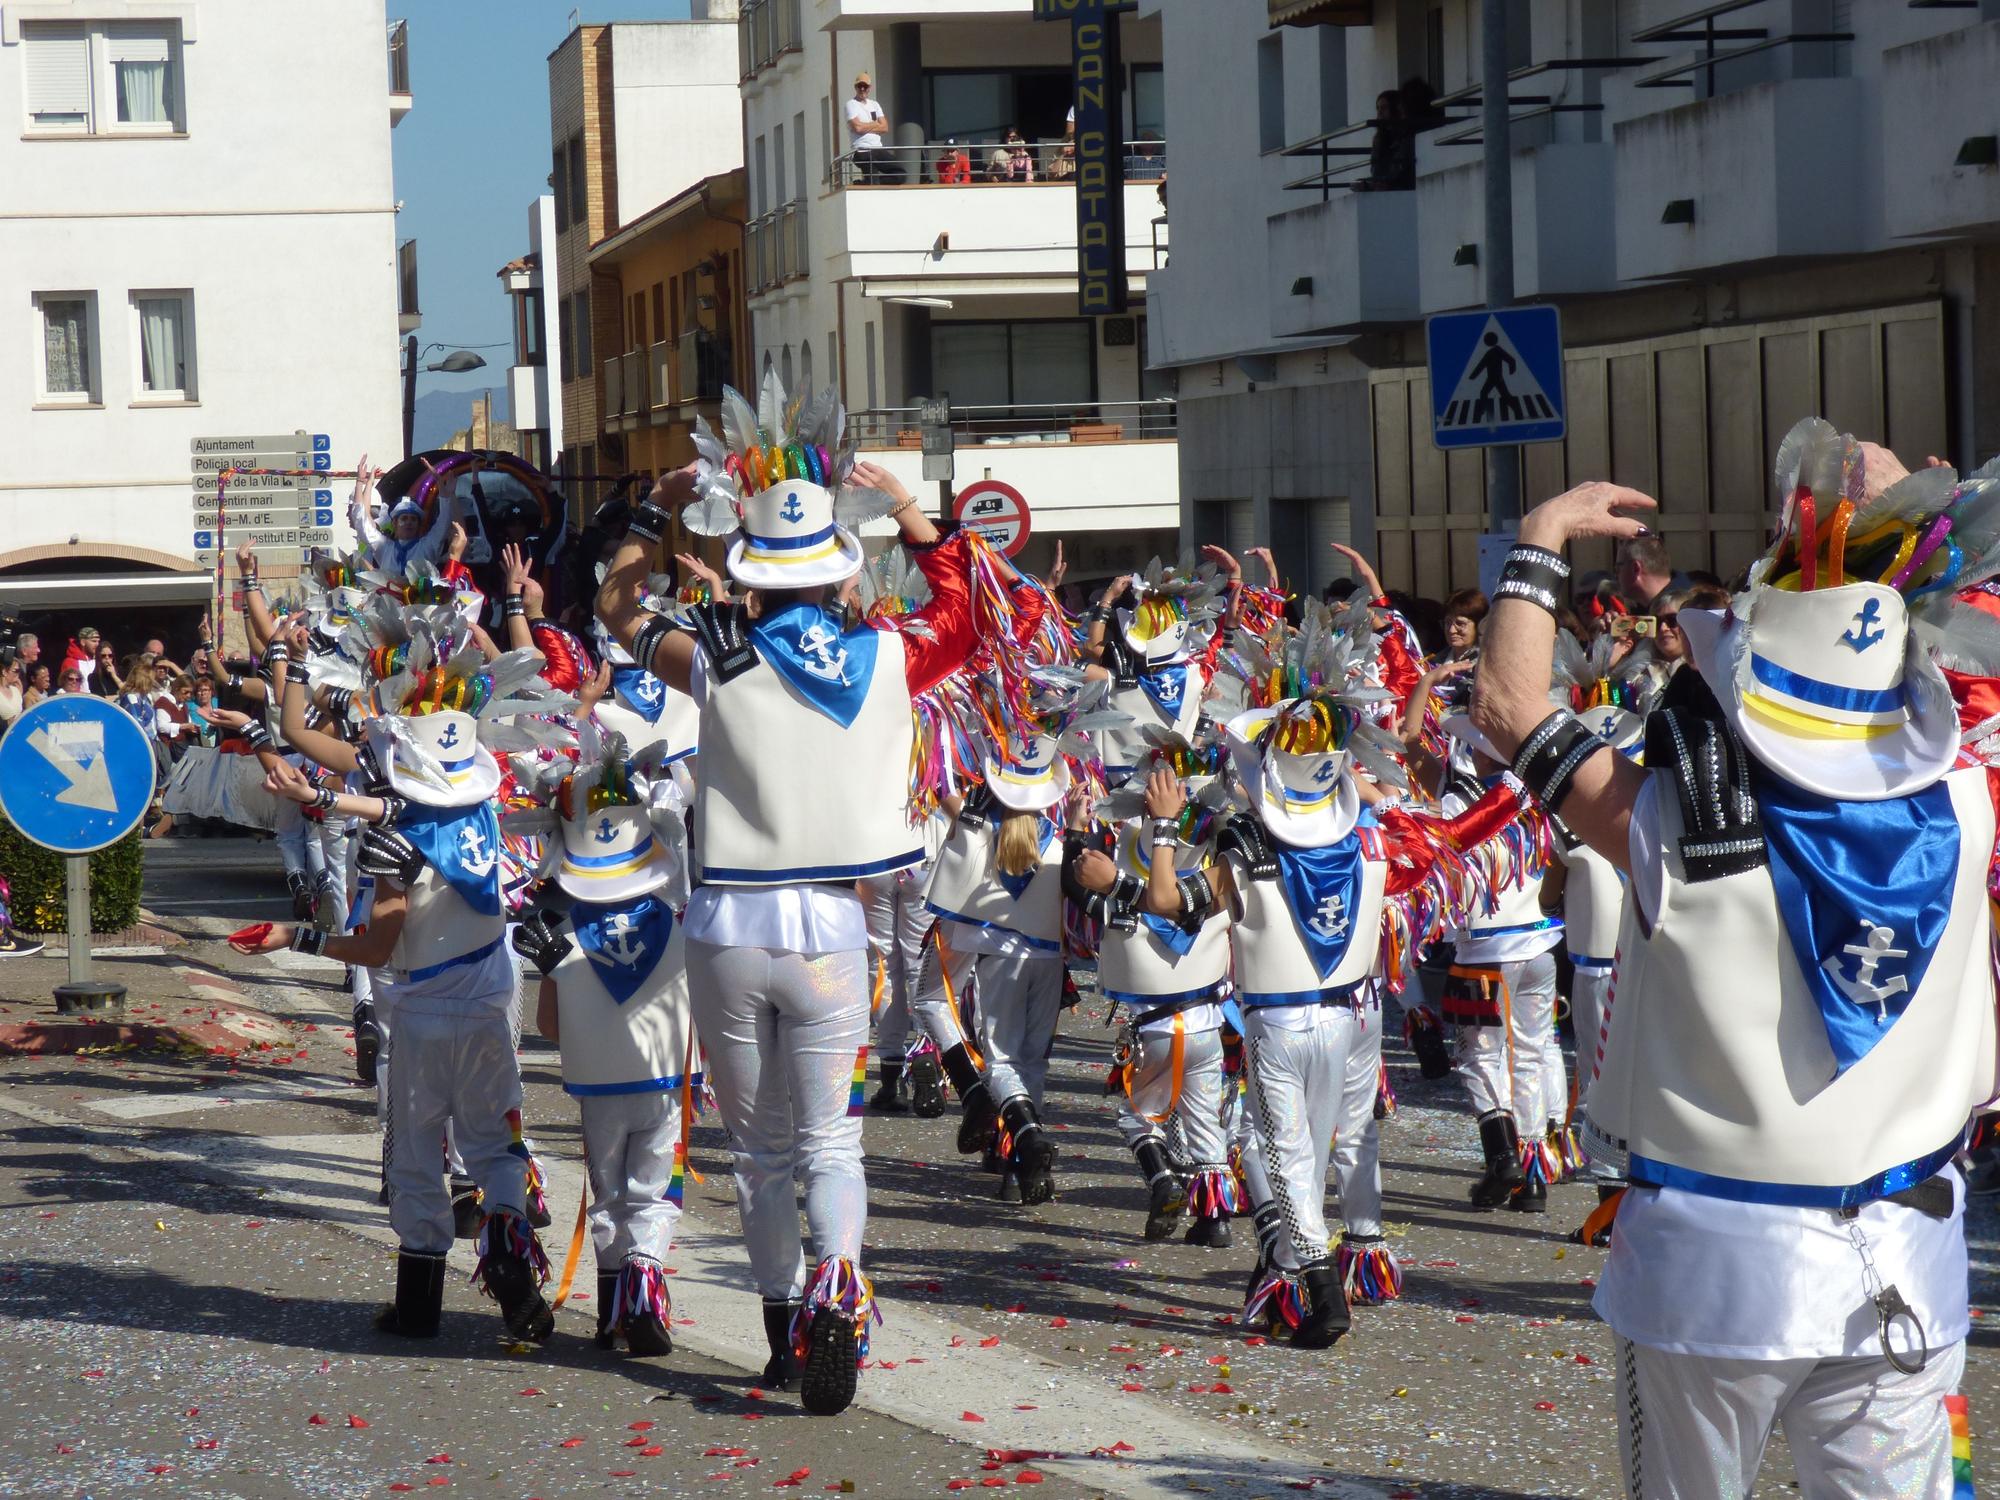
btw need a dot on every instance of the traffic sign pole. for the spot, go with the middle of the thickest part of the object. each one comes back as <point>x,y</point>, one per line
<point>82,995</point>
<point>1503,463</point>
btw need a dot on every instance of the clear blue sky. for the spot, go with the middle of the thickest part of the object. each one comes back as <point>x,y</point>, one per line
<point>474,152</point>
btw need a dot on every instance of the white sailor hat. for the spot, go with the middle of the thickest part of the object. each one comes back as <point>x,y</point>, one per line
<point>788,539</point>
<point>1304,797</point>
<point>612,854</point>
<point>1033,781</point>
<point>465,771</point>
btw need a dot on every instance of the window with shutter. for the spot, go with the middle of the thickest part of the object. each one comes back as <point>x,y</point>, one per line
<point>56,55</point>
<point>140,81</point>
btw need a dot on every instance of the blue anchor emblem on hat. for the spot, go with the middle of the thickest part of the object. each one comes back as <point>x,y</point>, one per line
<point>449,738</point>
<point>1861,637</point>
<point>605,832</point>
<point>791,510</point>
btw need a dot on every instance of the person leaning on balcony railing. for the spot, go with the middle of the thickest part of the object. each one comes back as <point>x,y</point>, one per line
<point>1020,160</point>
<point>868,128</point>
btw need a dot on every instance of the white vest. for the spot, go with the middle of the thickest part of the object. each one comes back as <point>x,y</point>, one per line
<point>965,888</point>
<point>634,1048</point>
<point>1143,972</point>
<point>1516,927</point>
<point>1593,902</point>
<point>441,931</point>
<point>678,725</point>
<point>1273,964</point>
<point>1126,747</point>
<point>787,795</point>
<point>1717,1065</point>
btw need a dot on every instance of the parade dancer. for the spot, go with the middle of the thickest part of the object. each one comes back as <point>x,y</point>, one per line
<point>1320,900</point>
<point>1501,995</point>
<point>1171,976</point>
<point>437,923</point>
<point>806,736</point>
<point>407,539</point>
<point>1158,681</point>
<point>616,1001</point>
<point>996,889</point>
<point>1804,1014</point>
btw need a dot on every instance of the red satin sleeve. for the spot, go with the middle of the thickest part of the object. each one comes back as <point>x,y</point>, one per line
<point>930,657</point>
<point>1414,842</point>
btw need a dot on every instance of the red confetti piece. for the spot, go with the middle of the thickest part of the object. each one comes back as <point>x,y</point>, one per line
<point>995,1483</point>
<point>1218,1359</point>
<point>1222,1388</point>
<point>438,1458</point>
<point>161,1469</point>
<point>1173,1312</point>
<point>956,1342</point>
<point>1545,1406</point>
<point>753,1394</point>
<point>1028,1476</point>
<point>753,1416</point>
<point>533,1390</point>
<point>254,1224</point>
<point>1441,1264</point>
<point>401,1489</point>
<point>959,1484</point>
<point>638,1442</point>
<point>885,1364</point>
<point>1018,1307</point>
<point>1256,1341</point>
<point>1463,1318</point>
<point>1024,1406</point>
<point>797,1474</point>
<point>1121,1348</point>
<point>1585,1359</point>
<point>64,1448</point>
<point>93,1374</point>
<point>1197,1390</point>
<point>194,1411</point>
<point>970,1416</point>
<point>1131,1385</point>
<point>916,1359</point>
<point>990,1343</point>
<point>575,1442</point>
<point>722,1453</point>
<point>1058,1322</point>
<point>648,1426</point>
<point>1131,1367</point>
<point>652,1450</point>
<point>315,1420</point>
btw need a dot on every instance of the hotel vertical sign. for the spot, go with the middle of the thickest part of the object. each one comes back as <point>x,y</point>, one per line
<point>1100,149</point>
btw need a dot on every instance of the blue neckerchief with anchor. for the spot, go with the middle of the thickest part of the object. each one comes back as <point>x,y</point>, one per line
<point>640,691</point>
<point>830,669</point>
<point>463,845</point>
<point>1167,687</point>
<point>1014,885</point>
<point>623,941</point>
<point>1322,888</point>
<point>1864,891</point>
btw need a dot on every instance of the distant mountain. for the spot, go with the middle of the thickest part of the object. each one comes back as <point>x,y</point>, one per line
<point>441,413</point>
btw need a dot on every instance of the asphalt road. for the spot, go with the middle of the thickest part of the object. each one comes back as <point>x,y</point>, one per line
<point>190,1252</point>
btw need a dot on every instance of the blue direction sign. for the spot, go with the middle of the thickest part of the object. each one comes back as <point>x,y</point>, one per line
<point>76,773</point>
<point>1496,377</point>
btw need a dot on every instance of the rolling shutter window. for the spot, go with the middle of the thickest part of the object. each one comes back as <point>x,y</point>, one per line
<point>57,57</point>
<point>1242,524</point>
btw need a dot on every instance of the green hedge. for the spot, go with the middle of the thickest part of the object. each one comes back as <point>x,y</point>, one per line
<point>36,876</point>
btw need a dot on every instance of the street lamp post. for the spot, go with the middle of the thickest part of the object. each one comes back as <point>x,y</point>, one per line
<point>454,363</point>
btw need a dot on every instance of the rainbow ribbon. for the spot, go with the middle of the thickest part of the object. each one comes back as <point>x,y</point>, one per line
<point>857,1091</point>
<point>1961,1447</point>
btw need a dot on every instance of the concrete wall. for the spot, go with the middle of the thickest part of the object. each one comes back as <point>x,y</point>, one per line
<point>284,233</point>
<point>677,113</point>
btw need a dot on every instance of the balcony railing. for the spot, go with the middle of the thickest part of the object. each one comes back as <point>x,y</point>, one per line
<point>635,382</point>
<point>399,57</point>
<point>611,399</point>
<point>757,237</point>
<point>791,241</point>
<point>774,247</point>
<point>959,164</point>
<point>1024,423</point>
<point>765,31</point>
<point>408,310</point>
<point>660,366</point>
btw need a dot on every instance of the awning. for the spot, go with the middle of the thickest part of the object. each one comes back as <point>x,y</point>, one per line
<point>20,592</point>
<point>1322,12</point>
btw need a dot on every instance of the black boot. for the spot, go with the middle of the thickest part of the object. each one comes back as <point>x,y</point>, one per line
<point>1530,1197</point>
<point>1210,1234</point>
<point>832,1368</point>
<point>646,1332</point>
<point>367,1043</point>
<point>1433,1059</point>
<point>1167,1197</point>
<point>466,1214</point>
<point>607,1297</point>
<point>1502,1144</point>
<point>1010,1186</point>
<point>1034,1153</point>
<point>976,1126</point>
<point>510,1280</point>
<point>782,1373</point>
<point>888,1099</point>
<point>1270,1224</point>
<point>926,1087</point>
<point>419,1297</point>
<point>302,898</point>
<point>1326,1307</point>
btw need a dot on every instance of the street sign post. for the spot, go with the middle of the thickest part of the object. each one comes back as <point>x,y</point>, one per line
<point>76,774</point>
<point>934,421</point>
<point>1496,377</point>
<point>997,512</point>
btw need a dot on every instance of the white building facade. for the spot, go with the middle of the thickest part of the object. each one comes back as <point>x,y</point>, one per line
<point>194,241</point>
<point>534,378</point>
<point>887,273</point>
<point>1746,213</point>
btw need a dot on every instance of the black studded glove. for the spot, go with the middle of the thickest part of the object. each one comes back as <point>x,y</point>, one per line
<point>538,941</point>
<point>385,852</point>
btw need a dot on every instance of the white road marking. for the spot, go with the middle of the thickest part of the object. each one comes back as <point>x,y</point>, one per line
<point>151,1106</point>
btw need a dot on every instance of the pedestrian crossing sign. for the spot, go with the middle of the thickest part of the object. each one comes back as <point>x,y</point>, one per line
<point>1496,377</point>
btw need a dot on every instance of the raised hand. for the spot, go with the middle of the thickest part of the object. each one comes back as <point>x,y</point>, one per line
<point>1223,559</point>
<point>1164,796</point>
<point>1594,508</point>
<point>1364,572</point>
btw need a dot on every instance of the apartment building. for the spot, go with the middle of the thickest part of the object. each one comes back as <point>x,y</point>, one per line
<point>534,375</point>
<point>640,114</point>
<point>198,241</point>
<point>1747,212</point>
<point>913,265</point>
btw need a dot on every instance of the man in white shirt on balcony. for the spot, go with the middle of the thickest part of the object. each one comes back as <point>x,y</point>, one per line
<point>869,127</point>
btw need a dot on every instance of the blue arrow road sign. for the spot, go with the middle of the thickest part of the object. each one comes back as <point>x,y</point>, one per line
<point>322,460</point>
<point>323,517</point>
<point>1496,377</point>
<point>204,541</point>
<point>320,444</point>
<point>76,773</point>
